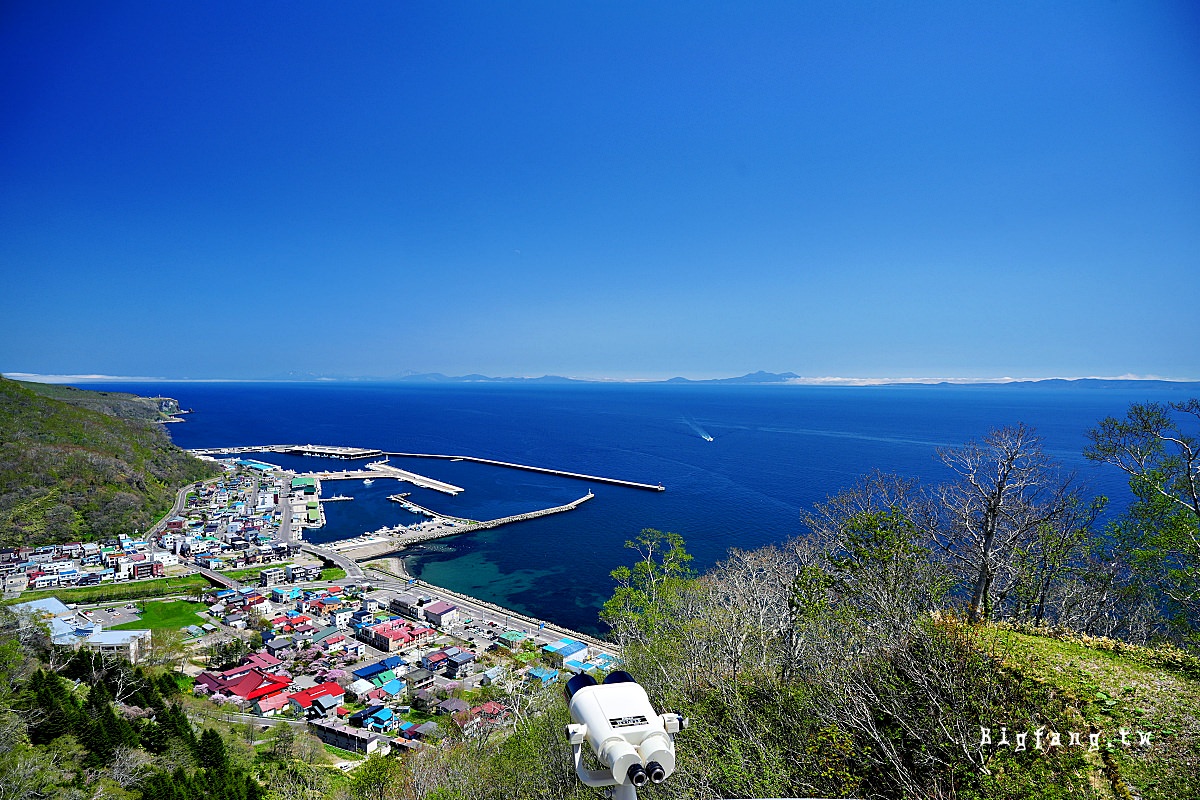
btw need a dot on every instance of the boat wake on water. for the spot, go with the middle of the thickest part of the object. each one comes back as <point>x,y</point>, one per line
<point>703,434</point>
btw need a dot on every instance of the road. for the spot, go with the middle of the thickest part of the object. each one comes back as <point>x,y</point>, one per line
<point>176,510</point>
<point>353,571</point>
<point>486,617</point>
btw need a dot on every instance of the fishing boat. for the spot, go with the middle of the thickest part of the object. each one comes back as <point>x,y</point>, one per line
<point>368,481</point>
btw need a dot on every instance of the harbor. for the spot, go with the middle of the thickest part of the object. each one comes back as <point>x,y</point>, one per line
<point>384,469</point>
<point>319,450</point>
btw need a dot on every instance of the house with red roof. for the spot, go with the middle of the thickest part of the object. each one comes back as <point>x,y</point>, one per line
<point>321,700</point>
<point>248,685</point>
<point>395,635</point>
<point>270,706</point>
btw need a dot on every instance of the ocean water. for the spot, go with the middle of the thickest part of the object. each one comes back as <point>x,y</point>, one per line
<point>775,450</point>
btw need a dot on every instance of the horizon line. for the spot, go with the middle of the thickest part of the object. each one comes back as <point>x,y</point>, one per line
<point>52,378</point>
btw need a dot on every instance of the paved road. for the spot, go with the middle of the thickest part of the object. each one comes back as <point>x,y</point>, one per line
<point>485,617</point>
<point>353,571</point>
<point>176,510</point>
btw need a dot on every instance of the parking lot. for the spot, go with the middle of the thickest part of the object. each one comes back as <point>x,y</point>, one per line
<point>112,615</point>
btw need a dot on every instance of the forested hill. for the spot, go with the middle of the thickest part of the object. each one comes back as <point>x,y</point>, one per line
<point>70,473</point>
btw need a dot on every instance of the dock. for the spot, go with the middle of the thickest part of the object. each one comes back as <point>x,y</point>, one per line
<point>386,541</point>
<point>545,470</point>
<point>380,469</point>
<point>333,451</point>
<point>321,450</point>
<point>411,477</point>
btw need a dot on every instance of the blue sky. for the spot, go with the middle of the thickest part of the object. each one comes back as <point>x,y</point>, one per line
<point>234,190</point>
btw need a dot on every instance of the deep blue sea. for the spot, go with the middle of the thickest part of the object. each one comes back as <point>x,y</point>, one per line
<point>775,450</point>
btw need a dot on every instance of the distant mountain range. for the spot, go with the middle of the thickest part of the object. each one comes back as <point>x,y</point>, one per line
<point>779,378</point>
<point>437,377</point>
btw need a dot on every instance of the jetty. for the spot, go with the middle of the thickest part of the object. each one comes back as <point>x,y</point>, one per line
<point>381,469</point>
<point>545,470</point>
<point>386,541</point>
<point>322,450</point>
<point>333,451</point>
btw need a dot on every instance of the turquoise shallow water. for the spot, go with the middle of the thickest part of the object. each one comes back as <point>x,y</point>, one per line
<point>775,450</point>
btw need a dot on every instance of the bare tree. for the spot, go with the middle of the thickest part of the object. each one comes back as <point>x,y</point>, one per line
<point>1007,490</point>
<point>128,766</point>
<point>168,647</point>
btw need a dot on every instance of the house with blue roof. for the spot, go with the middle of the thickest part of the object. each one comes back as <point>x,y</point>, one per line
<point>383,665</point>
<point>382,721</point>
<point>544,675</point>
<point>565,648</point>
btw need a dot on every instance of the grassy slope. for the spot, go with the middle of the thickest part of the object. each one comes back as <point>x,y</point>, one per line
<point>113,404</point>
<point>69,473</point>
<point>1114,686</point>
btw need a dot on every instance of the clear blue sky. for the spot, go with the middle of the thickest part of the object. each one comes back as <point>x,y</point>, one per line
<point>611,189</point>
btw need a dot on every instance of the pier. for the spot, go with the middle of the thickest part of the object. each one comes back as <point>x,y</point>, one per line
<point>332,451</point>
<point>321,450</point>
<point>388,470</point>
<point>546,470</point>
<point>391,540</point>
<point>380,469</point>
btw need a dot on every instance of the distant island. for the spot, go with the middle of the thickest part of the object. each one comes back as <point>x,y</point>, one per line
<point>119,404</point>
<point>763,378</point>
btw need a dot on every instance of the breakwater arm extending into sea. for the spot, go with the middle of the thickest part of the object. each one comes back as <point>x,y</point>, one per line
<point>419,480</point>
<point>546,470</point>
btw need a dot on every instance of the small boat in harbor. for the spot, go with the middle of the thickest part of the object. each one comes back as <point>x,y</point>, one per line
<point>368,481</point>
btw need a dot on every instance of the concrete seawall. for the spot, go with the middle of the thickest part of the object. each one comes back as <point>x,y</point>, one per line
<point>396,539</point>
<point>546,470</point>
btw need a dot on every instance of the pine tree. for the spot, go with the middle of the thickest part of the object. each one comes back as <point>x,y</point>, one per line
<point>212,754</point>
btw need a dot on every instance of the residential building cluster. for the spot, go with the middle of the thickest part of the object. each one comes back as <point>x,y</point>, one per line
<point>354,664</point>
<point>226,524</point>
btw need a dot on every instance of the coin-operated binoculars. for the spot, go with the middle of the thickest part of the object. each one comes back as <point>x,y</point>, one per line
<point>615,718</point>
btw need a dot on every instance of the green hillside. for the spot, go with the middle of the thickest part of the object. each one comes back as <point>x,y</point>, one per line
<point>113,404</point>
<point>73,473</point>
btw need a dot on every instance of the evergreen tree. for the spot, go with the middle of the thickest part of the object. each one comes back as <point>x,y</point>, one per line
<point>212,754</point>
<point>167,686</point>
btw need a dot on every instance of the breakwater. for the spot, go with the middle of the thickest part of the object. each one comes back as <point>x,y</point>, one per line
<point>392,540</point>
<point>411,477</point>
<point>322,450</point>
<point>545,470</point>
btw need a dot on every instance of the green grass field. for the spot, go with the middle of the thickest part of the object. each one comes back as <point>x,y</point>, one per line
<point>170,614</point>
<point>344,755</point>
<point>250,574</point>
<point>134,590</point>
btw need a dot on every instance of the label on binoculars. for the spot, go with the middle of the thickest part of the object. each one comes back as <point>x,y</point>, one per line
<point>627,722</point>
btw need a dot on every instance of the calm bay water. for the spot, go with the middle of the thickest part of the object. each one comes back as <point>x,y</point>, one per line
<point>775,450</point>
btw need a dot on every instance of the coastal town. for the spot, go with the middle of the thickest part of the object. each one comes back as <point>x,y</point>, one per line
<point>366,657</point>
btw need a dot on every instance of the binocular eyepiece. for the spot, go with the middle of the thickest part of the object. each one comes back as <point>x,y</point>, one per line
<point>639,776</point>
